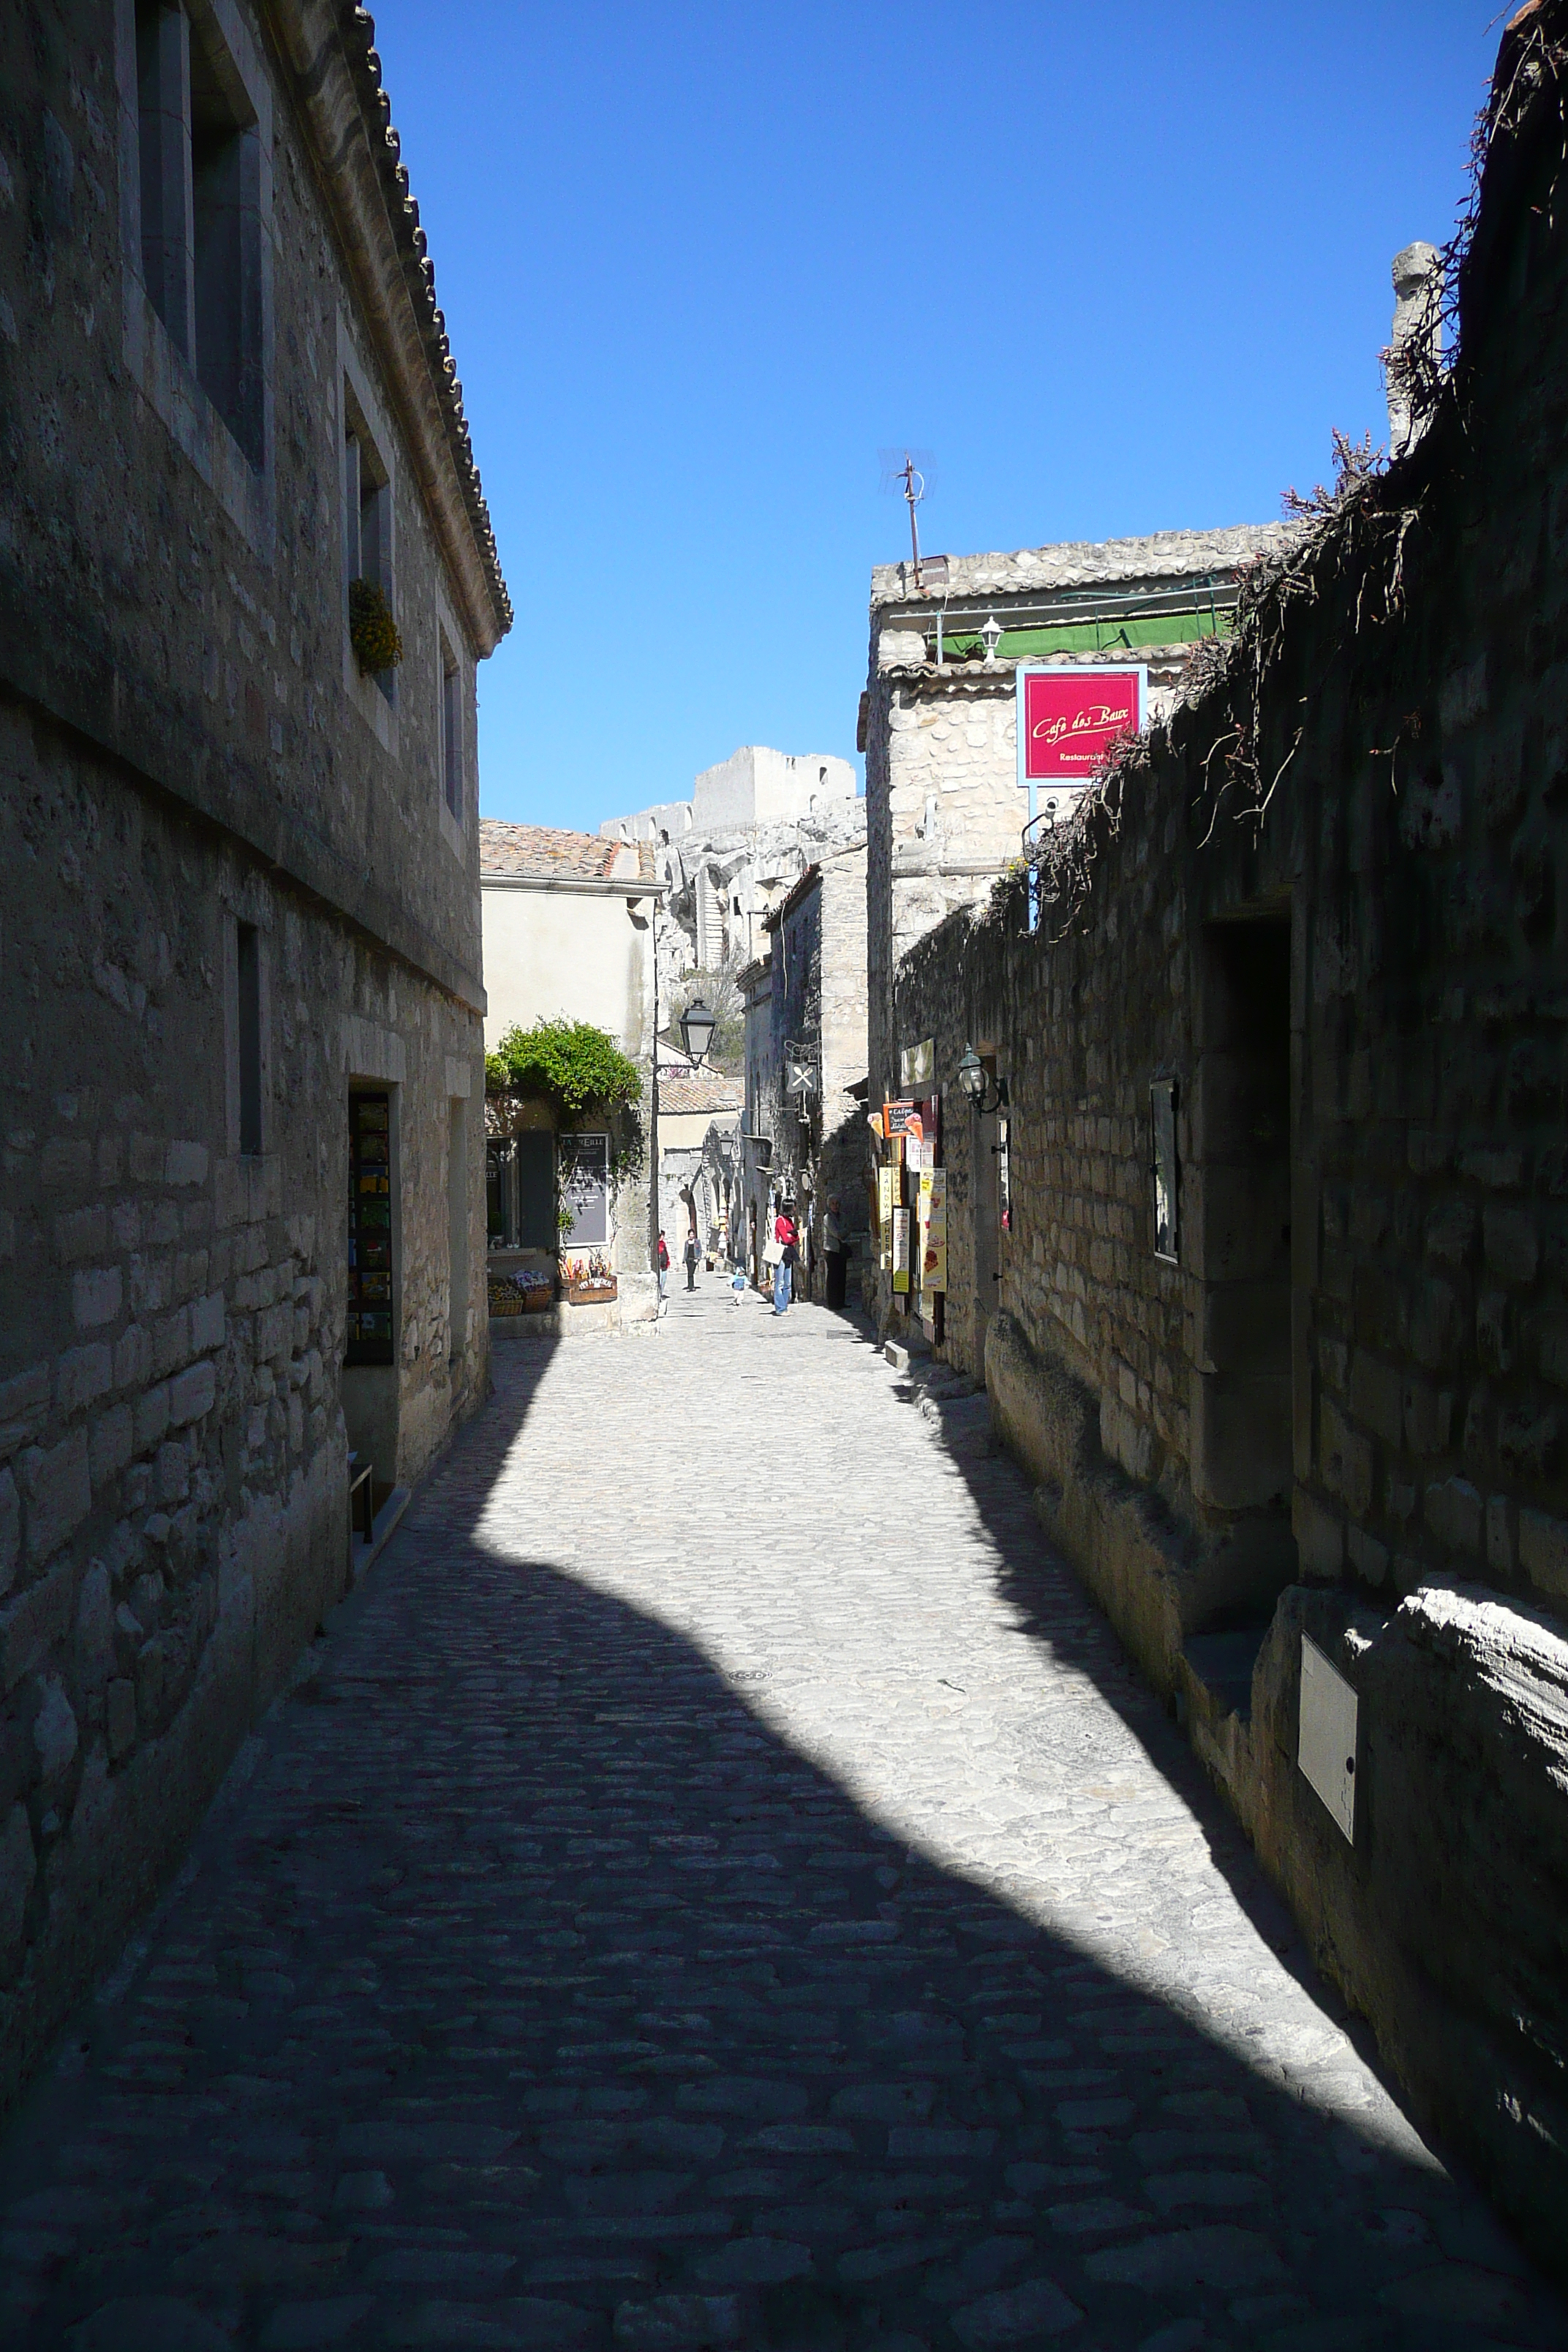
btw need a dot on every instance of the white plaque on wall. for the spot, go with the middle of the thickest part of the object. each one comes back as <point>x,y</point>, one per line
<point>1326,1747</point>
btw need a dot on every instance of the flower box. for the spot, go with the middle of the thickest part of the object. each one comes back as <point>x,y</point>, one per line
<point>591,1294</point>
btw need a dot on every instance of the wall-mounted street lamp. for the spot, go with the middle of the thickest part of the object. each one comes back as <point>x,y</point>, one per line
<point>991,637</point>
<point>697,1027</point>
<point>974,1077</point>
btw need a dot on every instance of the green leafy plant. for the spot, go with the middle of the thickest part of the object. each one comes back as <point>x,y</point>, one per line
<point>373,631</point>
<point>568,1063</point>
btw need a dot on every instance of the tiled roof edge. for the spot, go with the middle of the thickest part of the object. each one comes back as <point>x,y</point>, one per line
<point>419,276</point>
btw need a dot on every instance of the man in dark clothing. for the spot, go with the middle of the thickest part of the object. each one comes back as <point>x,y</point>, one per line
<point>693,1253</point>
<point>834,1251</point>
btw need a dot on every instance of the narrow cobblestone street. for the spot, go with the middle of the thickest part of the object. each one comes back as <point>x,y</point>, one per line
<point>719,1885</point>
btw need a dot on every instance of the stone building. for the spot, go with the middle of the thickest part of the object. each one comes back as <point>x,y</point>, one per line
<point>241,1194</point>
<point>730,854</point>
<point>762,1081</point>
<point>945,813</point>
<point>805,1054</point>
<point>568,922</point>
<point>699,1125</point>
<point>1279,1210</point>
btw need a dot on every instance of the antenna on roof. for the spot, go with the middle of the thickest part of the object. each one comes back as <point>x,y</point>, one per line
<point>913,474</point>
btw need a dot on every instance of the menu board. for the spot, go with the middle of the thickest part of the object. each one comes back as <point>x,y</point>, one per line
<point>370,1230</point>
<point>900,1249</point>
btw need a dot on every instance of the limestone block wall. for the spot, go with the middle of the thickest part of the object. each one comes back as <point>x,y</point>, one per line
<point>1335,1405</point>
<point>197,605</point>
<point>172,1447</point>
<point>943,806</point>
<point>844,1154</point>
<point>239,877</point>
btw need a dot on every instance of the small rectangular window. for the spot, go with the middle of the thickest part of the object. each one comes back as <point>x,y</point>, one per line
<point>451,735</point>
<point>199,182</point>
<point>367,544</point>
<point>248,959</point>
<point>163,141</point>
<point>225,243</point>
<point>351,569</point>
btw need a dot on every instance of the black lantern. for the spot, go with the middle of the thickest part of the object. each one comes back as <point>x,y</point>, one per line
<point>974,1077</point>
<point>697,1027</point>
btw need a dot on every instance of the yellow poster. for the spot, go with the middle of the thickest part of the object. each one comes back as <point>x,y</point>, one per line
<point>900,1249</point>
<point>933,1239</point>
<point>885,1217</point>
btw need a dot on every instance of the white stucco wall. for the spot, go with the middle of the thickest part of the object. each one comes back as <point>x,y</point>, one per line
<point>577,953</point>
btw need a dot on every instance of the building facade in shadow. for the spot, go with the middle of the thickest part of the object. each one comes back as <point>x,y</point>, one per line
<point>246,576</point>
<point>1261,1250</point>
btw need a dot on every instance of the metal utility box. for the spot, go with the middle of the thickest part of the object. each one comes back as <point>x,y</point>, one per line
<point>1326,1749</point>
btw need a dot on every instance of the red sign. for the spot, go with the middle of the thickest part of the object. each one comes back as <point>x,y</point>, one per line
<point>1072,717</point>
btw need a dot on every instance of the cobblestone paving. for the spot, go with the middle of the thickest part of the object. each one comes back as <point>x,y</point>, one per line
<point>721,1886</point>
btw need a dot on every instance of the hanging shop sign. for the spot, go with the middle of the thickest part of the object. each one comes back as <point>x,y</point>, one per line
<point>1070,715</point>
<point>900,1221</point>
<point>917,1064</point>
<point>933,1230</point>
<point>902,1119</point>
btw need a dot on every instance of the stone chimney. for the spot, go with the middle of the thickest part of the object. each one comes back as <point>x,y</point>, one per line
<point>1418,336</point>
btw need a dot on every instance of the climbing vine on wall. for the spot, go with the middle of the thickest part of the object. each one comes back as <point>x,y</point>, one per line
<point>568,1064</point>
<point>578,1071</point>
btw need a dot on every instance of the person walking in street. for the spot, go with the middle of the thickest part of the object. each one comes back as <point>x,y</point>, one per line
<point>693,1252</point>
<point>834,1251</point>
<point>663,1271</point>
<point>784,1271</point>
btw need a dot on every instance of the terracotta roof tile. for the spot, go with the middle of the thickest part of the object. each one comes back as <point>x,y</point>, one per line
<point>357,28</point>
<point>704,1090</point>
<point>544,851</point>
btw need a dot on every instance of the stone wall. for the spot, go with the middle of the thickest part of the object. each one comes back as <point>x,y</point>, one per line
<point>946,813</point>
<point>815,1001</point>
<point>240,878</point>
<point>1326,906</point>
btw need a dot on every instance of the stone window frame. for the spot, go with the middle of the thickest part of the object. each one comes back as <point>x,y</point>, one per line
<point>233,1083</point>
<point>358,407</point>
<point>157,365</point>
<point>452,657</point>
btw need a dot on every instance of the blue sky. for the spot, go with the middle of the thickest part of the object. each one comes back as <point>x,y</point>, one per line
<point>1120,270</point>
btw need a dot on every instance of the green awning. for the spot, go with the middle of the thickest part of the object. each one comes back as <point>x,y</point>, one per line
<point>1093,636</point>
